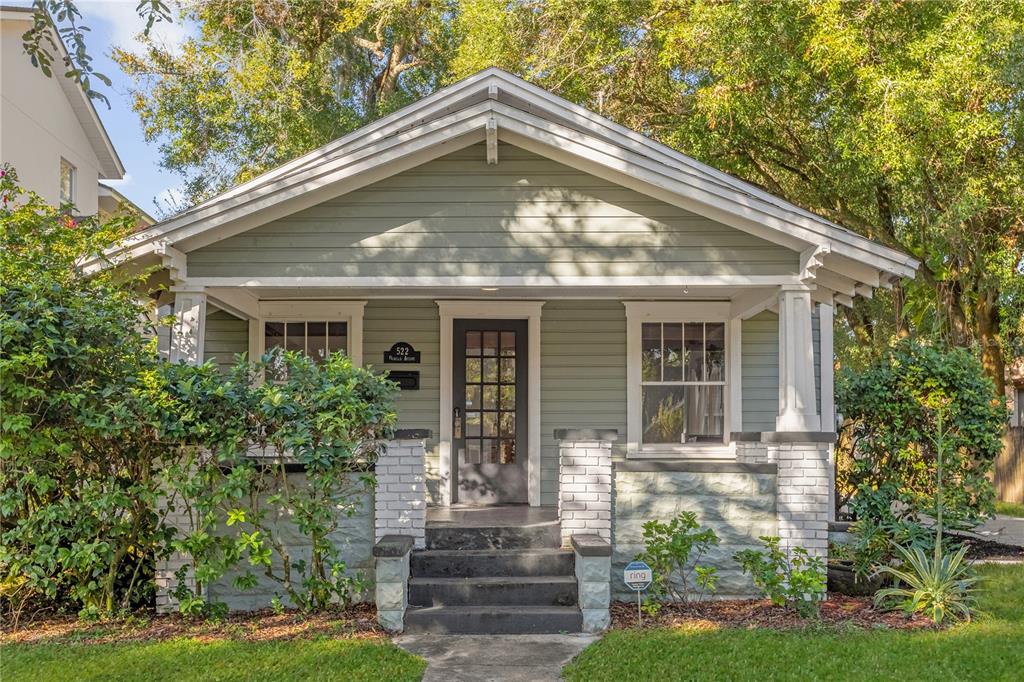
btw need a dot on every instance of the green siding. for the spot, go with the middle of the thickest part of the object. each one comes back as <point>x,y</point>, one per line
<point>760,359</point>
<point>583,375</point>
<point>525,216</point>
<point>226,336</point>
<point>417,322</point>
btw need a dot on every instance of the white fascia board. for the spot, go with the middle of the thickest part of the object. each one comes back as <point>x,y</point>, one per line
<point>262,205</point>
<point>445,101</point>
<point>528,130</point>
<point>614,132</point>
<point>503,281</point>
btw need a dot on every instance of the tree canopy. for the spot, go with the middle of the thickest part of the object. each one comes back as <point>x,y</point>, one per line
<point>899,120</point>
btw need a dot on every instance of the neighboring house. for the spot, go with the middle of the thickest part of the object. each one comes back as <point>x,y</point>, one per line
<point>603,331</point>
<point>50,131</point>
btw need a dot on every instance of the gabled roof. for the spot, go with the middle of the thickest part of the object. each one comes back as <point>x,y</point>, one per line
<point>110,165</point>
<point>493,105</point>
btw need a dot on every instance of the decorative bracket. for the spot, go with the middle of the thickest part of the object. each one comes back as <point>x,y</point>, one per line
<point>492,141</point>
<point>174,260</point>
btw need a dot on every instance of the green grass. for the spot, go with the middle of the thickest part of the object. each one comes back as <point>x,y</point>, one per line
<point>184,660</point>
<point>1010,509</point>
<point>990,648</point>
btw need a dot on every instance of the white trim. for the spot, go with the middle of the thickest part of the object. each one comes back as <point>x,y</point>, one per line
<point>449,311</point>
<point>638,312</point>
<point>798,407</point>
<point>501,281</point>
<point>826,350</point>
<point>734,353</point>
<point>350,312</point>
<point>532,119</point>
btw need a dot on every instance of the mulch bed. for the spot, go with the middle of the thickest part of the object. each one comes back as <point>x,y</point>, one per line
<point>360,621</point>
<point>988,550</point>
<point>837,611</point>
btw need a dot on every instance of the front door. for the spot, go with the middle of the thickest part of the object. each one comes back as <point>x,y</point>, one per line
<point>489,415</point>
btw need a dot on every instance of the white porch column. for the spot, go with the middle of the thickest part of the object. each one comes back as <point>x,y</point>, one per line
<point>187,335</point>
<point>189,328</point>
<point>798,409</point>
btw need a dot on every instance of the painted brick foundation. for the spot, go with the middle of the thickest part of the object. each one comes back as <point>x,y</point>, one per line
<point>400,502</point>
<point>585,488</point>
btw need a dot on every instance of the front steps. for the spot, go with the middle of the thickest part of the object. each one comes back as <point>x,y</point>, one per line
<point>493,579</point>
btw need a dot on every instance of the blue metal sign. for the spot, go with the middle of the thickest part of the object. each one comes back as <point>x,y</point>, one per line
<point>637,575</point>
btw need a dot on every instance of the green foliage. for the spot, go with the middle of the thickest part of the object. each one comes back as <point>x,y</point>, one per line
<point>243,501</point>
<point>266,81</point>
<point>796,581</point>
<point>936,587</point>
<point>79,436</point>
<point>887,455</point>
<point>672,550</point>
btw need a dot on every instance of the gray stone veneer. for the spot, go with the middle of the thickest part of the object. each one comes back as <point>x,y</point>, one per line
<point>391,555</point>
<point>593,556</point>
<point>737,501</point>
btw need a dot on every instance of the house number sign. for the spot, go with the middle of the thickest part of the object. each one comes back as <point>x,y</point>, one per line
<point>402,352</point>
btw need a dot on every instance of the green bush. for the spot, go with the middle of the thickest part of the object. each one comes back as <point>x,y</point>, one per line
<point>668,550</point>
<point>885,451</point>
<point>796,581</point>
<point>79,437</point>
<point>236,488</point>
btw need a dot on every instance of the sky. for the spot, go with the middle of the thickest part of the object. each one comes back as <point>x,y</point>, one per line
<point>115,23</point>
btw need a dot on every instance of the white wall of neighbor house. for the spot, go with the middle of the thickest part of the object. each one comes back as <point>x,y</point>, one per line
<point>38,127</point>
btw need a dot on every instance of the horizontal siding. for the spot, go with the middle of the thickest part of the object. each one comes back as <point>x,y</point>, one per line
<point>761,369</point>
<point>415,321</point>
<point>457,215</point>
<point>583,375</point>
<point>226,337</point>
<point>760,358</point>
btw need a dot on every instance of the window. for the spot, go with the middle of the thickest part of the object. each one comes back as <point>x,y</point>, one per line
<point>1020,406</point>
<point>682,389</point>
<point>68,182</point>
<point>315,339</point>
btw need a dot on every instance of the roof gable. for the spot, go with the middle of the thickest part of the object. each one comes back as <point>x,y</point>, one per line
<point>494,105</point>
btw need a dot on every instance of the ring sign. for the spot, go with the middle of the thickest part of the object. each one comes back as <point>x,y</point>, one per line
<point>637,575</point>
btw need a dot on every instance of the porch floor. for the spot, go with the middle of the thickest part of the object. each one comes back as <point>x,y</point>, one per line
<point>491,516</point>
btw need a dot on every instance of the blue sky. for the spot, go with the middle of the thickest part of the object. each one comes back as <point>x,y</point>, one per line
<point>114,22</point>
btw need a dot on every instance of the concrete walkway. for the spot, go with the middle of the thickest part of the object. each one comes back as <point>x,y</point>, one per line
<point>497,658</point>
<point>1005,529</point>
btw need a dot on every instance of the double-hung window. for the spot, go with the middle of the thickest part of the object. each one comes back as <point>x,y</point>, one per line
<point>678,377</point>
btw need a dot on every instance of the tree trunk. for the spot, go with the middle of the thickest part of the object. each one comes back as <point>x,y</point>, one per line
<point>986,314</point>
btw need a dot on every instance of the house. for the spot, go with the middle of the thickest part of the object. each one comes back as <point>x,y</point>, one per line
<point>591,329</point>
<point>50,131</point>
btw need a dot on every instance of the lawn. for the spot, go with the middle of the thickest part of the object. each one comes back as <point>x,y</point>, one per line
<point>990,648</point>
<point>1015,509</point>
<point>184,660</point>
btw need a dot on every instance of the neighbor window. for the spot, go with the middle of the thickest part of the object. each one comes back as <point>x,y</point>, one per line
<point>68,180</point>
<point>682,388</point>
<point>315,339</point>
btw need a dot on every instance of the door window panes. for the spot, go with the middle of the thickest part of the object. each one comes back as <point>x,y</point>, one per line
<point>490,397</point>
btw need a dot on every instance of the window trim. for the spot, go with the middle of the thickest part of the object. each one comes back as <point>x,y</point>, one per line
<point>639,312</point>
<point>73,189</point>
<point>350,312</point>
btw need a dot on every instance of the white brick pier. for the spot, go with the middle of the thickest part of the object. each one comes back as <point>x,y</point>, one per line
<point>585,482</point>
<point>400,499</point>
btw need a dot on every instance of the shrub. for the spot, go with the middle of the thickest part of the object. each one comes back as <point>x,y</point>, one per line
<point>942,584</point>
<point>79,437</point>
<point>239,490</point>
<point>796,582</point>
<point>668,551</point>
<point>884,444</point>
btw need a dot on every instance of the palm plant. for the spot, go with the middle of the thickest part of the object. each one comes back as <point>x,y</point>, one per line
<point>938,585</point>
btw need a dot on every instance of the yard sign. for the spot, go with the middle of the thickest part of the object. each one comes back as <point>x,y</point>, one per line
<point>638,577</point>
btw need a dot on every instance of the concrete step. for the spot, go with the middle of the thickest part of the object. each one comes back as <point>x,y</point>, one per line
<point>494,620</point>
<point>473,563</point>
<point>554,590</point>
<point>494,537</point>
